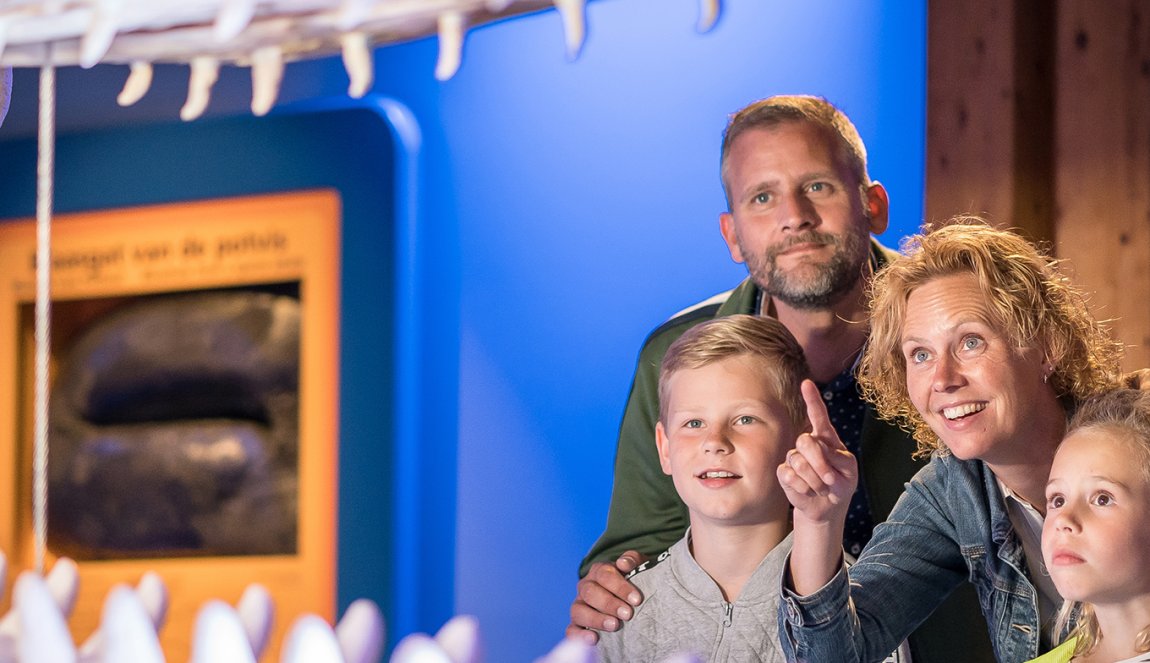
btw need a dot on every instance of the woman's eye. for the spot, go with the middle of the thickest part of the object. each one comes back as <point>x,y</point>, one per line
<point>971,343</point>
<point>919,356</point>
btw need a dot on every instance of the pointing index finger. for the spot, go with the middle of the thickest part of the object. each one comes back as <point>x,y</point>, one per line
<point>821,428</point>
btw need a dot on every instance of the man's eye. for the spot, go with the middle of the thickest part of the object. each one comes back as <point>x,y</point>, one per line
<point>761,198</point>
<point>819,187</point>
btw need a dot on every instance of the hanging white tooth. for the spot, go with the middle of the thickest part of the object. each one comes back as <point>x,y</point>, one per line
<point>205,71</point>
<point>267,73</point>
<point>352,13</point>
<point>451,28</point>
<point>139,80</point>
<point>708,14</point>
<point>574,24</point>
<point>100,33</point>
<point>497,5</point>
<point>357,61</point>
<point>234,16</point>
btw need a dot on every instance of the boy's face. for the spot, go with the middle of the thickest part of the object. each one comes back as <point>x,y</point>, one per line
<point>722,437</point>
<point>1095,541</point>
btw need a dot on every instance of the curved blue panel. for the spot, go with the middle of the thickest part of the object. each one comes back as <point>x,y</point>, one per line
<point>395,530</point>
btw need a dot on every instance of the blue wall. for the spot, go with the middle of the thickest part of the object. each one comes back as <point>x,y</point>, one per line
<point>566,209</point>
<point>587,198</point>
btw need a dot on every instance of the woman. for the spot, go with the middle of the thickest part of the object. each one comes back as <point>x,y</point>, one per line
<point>981,347</point>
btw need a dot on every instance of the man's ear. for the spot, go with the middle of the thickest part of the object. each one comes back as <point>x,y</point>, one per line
<point>727,227</point>
<point>877,208</point>
<point>661,443</point>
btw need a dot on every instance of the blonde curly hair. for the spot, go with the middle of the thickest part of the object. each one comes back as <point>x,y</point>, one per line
<point>1032,302</point>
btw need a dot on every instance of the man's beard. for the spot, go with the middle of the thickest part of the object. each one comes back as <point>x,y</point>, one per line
<point>811,286</point>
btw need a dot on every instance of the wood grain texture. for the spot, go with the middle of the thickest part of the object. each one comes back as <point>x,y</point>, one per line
<point>1102,161</point>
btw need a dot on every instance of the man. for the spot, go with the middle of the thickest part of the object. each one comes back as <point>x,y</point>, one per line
<point>801,209</point>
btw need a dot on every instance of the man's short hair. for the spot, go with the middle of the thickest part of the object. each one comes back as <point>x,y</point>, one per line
<point>773,111</point>
<point>1033,304</point>
<point>742,335</point>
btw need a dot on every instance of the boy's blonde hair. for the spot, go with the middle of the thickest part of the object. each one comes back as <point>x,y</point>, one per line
<point>1032,302</point>
<point>1125,414</point>
<point>759,337</point>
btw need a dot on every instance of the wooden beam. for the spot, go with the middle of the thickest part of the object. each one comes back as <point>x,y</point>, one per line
<point>1102,165</point>
<point>989,112</point>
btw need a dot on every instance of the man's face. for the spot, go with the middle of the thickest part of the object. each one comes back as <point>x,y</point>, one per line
<point>798,218</point>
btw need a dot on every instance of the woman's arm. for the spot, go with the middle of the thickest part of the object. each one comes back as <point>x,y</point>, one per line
<point>909,567</point>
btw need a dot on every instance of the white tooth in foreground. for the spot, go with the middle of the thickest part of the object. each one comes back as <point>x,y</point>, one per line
<point>357,62</point>
<point>574,24</point>
<point>257,614</point>
<point>267,73</point>
<point>139,80</point>
<point>962,410</point>
<point>205,71</point>
<point>451,28</point>
<point>234,16</point>
<point>708,14</point>
<point>98,38</point>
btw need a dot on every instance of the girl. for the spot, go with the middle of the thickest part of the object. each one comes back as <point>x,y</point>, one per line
<point>1095,540</point>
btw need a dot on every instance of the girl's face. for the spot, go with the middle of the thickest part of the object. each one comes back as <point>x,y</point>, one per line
<point>1095,540</point>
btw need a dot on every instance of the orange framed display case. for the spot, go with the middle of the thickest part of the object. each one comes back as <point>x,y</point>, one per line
<point>101,259</point>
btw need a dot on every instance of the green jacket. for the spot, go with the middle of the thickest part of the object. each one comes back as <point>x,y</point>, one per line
<point>647,515</point>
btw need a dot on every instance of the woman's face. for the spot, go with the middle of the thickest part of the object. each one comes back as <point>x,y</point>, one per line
<point>982,396</point>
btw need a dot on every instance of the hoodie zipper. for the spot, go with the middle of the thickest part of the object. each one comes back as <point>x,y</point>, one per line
<point>727,618</point>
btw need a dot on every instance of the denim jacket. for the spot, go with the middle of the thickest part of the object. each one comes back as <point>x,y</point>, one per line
<point>950,525</point>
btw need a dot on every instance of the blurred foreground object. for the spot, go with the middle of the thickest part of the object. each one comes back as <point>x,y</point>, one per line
<point>262,35</point>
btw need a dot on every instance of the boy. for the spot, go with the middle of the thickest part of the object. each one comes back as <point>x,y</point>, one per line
<point>729,410</point>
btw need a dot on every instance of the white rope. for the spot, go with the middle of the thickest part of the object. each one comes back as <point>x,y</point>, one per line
<point>44,176</point>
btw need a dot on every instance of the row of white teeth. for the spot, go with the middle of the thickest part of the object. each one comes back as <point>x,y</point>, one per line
<point>259,33</point>
<point>962,410</point>
<point>719,475</point>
